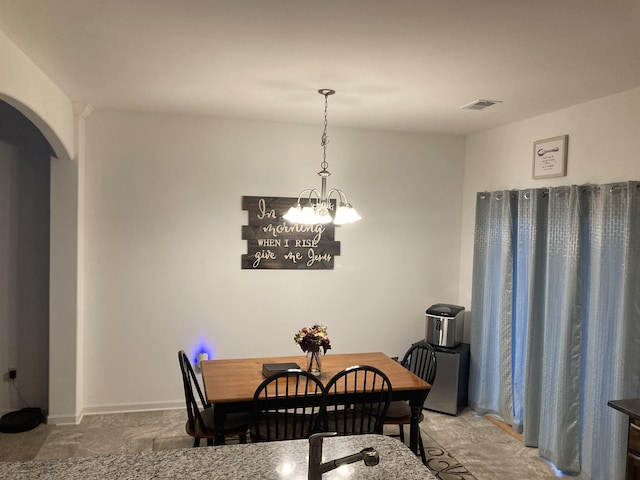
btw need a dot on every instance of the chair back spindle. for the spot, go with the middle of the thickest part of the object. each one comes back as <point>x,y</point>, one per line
<point>287,406</point>
<point>356,400</point>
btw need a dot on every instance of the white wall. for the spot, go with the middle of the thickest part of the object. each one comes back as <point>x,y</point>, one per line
<point>8,272</point>
<point>163,245</point>
<point>25,87</point>
<point>604,146</point>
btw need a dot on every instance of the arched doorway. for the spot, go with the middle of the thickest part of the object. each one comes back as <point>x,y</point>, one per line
<point>25,179</point>
<point>27,89</point>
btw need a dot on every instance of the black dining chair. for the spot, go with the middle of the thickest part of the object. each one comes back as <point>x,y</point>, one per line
<point>356,401</point>
<point>421,360</point>
<point>200,421</point>
<point>287,406</point>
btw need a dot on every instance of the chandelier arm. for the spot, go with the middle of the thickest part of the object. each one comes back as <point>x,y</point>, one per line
<point>341,195</point>
<point>312,192</point>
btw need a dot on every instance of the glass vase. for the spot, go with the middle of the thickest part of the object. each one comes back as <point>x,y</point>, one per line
<point>314,361</point>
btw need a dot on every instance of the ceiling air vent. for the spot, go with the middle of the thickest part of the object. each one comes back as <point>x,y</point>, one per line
<point>480,104</point>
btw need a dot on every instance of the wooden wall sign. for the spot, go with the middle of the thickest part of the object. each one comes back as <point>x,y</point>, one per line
<point>274,243</point>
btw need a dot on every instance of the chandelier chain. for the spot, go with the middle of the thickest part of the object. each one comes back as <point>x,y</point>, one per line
<point>324,165</point>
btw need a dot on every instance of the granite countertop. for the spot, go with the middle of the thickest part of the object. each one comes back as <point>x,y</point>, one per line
<point>285,460</point>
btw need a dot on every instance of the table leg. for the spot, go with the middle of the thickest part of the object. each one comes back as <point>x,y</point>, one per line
<point>219,417</point>
<point>414,429</point>
<point>416,402</point>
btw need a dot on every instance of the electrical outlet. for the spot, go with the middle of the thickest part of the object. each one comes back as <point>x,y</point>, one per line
<point>13,373</point>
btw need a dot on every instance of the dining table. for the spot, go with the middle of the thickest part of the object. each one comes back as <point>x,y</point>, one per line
<point>230,384</point>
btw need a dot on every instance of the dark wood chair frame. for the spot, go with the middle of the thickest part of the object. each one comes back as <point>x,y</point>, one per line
<point>421,360</point>
<point>287,406</point>
<point>360,410</point>
<point>196,425</point>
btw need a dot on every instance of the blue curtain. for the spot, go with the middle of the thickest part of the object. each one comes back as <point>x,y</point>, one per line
<point>556,303</point>
<point>492,266</point>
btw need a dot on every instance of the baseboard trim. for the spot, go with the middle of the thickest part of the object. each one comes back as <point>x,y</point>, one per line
<point>106,409</point>
<point>132,407</point>
<point>506,427</point>
<point>63,419</point>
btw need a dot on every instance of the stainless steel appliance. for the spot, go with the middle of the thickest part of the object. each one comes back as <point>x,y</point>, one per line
<point>449,392</point>
<point>444,324</point>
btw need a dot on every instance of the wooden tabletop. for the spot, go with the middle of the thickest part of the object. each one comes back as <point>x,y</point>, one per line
<point>235,380</point>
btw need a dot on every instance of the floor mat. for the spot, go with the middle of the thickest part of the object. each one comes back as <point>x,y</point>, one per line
<point>441,463</point>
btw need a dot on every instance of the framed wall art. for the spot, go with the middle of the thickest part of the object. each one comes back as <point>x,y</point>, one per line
<point>274,243</point>
<point>550,157</point>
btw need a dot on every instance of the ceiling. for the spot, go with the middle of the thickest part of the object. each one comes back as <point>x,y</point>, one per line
<point>395,64</point>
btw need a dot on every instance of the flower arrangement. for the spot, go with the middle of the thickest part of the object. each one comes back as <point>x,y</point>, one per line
<point>314,336</point>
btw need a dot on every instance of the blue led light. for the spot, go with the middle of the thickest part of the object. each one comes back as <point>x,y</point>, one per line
<point>202,347</point>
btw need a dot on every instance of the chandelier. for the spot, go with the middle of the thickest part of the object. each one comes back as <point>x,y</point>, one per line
<point>317,204</point>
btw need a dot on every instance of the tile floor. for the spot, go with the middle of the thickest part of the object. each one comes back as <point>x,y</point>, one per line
<point>483,448</point>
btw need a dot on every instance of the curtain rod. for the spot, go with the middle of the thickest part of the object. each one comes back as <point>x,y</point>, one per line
<point>616,187</point>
